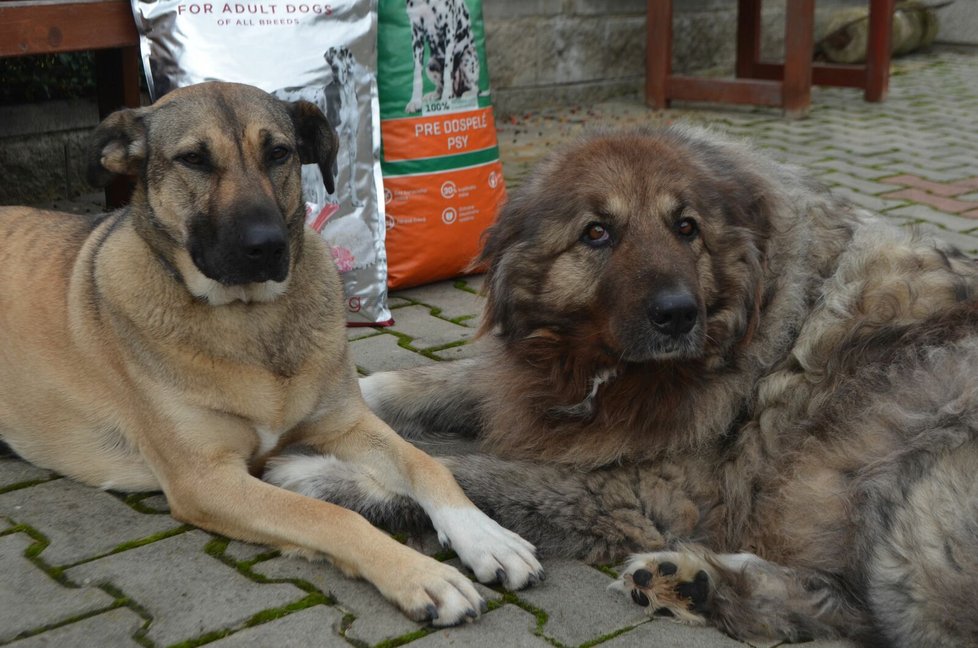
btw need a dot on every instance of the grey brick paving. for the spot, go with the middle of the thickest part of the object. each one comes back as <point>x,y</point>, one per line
<point>506,626</point>
<point>30,599</point>
<point>112,629</point>
<point>426,330</point>
<point>187,592</point>
<point>665,633</point>
<point>315,627</point>
<point>382,353</point>
<point>579,605</point>
<point>452,302</point>
<point>377,620</point>
<point>14,471</point>
<point>79,521</point>
<point>180,593</point>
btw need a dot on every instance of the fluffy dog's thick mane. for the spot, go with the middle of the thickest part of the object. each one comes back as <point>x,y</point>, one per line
<point>562,394</point>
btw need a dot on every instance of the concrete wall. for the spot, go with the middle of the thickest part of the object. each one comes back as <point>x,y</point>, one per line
<point>959,23</point>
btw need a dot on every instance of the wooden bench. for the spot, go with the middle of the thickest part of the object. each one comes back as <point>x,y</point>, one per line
<point>785,84</point>
<point>104,26</point>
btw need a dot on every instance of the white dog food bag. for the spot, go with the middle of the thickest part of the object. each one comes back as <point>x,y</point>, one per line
<point>443,182</point>
<point>322,52</point>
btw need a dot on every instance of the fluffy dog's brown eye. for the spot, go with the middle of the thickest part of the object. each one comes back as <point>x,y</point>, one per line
<point>687,227</point>
<point>596,235</point>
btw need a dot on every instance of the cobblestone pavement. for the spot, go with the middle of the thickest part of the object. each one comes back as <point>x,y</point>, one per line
<point>87,568</point>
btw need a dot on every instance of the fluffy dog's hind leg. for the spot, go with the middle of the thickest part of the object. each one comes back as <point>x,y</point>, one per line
<point>923,573</point>
<point>440,400</point>
<point>742,594</point>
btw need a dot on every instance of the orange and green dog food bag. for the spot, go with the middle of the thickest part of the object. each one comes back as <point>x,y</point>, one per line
<point>443,182</point>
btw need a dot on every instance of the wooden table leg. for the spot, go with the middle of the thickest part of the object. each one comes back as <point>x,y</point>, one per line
<point>798,46</point>
<point>658,52</point>
<point>748,38</point>
<point>878,49</point>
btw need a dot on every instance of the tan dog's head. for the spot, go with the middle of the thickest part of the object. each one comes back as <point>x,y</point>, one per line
<point>631,247</point>
<point>218,193</point>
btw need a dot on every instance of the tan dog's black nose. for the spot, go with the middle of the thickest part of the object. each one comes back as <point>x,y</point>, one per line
<point>265,245</point>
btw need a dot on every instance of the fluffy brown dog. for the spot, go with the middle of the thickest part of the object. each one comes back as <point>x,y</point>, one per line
<point>181,341</point>
<point>694,350</point>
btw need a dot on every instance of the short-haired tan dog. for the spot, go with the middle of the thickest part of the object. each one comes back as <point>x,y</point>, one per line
<point>181,341</point>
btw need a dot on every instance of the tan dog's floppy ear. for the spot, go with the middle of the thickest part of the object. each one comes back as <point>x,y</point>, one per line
<point>317,140</point>
<point>118,146</point>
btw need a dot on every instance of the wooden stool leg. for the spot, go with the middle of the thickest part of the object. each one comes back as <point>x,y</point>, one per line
<point>658,52</point>
<point>878,49</point>
<point>748,37</point>
<point>799,41</point>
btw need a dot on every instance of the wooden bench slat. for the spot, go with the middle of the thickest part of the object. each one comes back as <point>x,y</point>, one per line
<point>53,26</point>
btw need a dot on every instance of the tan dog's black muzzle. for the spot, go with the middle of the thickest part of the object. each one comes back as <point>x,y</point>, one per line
<point>252,246</point>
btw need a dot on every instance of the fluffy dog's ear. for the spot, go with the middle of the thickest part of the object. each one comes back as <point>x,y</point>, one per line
<point>317,140</point>
<point>500,240</point>
<point>117,147</point>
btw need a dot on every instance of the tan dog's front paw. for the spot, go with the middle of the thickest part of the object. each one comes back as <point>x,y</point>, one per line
<point>493,553</point>
<point>679,582</point>
<point>432,592</point>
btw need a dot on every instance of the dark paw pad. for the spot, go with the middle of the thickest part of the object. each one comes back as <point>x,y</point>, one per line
<point>642,577</point>
<point>667,569</point>
<point>697,591</point>
<point>640,598</point>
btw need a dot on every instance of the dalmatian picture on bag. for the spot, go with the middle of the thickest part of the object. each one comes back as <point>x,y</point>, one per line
<point>343,110</point>
<point>445,28</point>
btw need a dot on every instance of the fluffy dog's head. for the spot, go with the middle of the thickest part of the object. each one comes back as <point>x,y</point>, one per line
<point>637,247</point>
<point>218,194</point>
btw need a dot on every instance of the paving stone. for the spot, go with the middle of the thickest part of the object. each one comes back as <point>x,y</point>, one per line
<point>17,471</point>
<point>427,330</point>
<point>506,626</point>
<point>30,599</point>
<point>578,603</point>
<point>457,352</point>
<point>315,627</point>
<point>935,217</point>
<point>242,551</point>
<point>475,282</point>
<point>112,629</point>
<point>664,633</point>
<point>451,301</point>
<point>80,521</point>
<point>186,592</point>
<point>863,186</point>
<point>867,201</point>
<point>377,619</point>
<point>381,353</point>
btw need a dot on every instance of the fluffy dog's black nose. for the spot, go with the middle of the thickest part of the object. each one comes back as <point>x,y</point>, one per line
<point>673,312</point>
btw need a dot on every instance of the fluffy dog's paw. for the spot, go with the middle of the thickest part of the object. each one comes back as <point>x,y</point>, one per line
<point>434,593</point>
<point>493,553</point>
<point>678,582</point>
<point>413,106</point>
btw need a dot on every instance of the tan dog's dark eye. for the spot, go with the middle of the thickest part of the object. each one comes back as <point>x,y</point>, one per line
<point>596,235</point>
<point>193,159</point>
<point>278,154</point>
<point>687,227</point>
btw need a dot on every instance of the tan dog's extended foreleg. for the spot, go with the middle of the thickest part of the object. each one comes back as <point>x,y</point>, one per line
<point>208,485</point>
<point>396,467</point>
